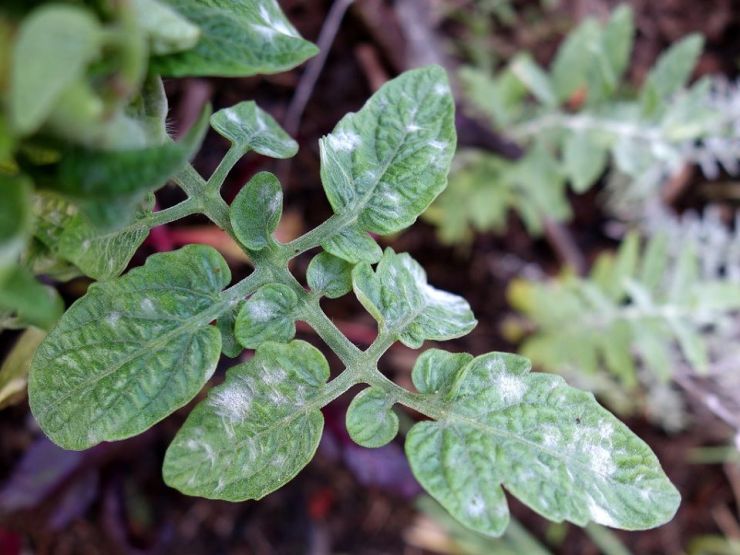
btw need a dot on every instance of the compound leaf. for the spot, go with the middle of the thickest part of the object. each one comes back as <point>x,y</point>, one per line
<point>254,432</point>
<point>238,39</point>
<point>553,447</point>
<point>268,315</point>
<point>405,306</point>
<point>329,275</point>
<point>249,127</point>
<point>131,351</point>
<point>55,44</point>
<point>256,210</point>
<point>382,166</point>
<point>371,421</point>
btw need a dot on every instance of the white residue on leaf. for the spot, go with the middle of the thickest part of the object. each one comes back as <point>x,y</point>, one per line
<point>600,459</point>
<point>550,436</point>
<point>476,506</point>
<point>198,445</point>
<point>113,318</point>
<point>261,311</point>
<point>412,128</point>
<point>232,401</point>
<point>261,125</point>
<point>221,484</point>
<point>441,89</point>
<point>438,145</point>
<point>147,305</point>
<point>599,514</point>
<point>86,244</point>
<point>232,117</point>
<point>276,24</point>
<point>344,140</point>
<point>511,388</point>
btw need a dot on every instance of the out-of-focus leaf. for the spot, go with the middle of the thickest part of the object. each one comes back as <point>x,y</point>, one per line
<point>14,370</point>
<point>238,38</point>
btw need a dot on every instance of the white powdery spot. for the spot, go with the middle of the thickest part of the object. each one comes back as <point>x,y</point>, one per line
<point>232,117</point>
<point>196,445</point>
<point>476,506</point>
<point>599,514</point>
<point>412,128</point>
<point>221,484</point>
<point>261,125</point>
<point>276,397</point>
<point>86,244</point>
<point>438,145</point>
<point>550,436</point>
<point>147,305</point>
<point>276,24</point>
<point>232,402</point>
<point>113,318</point>
<point>601,460</point>
<point>261,311</point>
<point>605,430</point>
<point>440,89</point>
<point>511,388</point>
<point>273,376</point>
<point>344,140</point>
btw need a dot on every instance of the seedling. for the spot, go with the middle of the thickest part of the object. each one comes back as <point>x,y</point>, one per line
<point>136,348</point>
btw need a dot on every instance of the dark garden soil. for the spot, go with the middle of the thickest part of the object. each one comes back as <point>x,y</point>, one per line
<point>111,499</point>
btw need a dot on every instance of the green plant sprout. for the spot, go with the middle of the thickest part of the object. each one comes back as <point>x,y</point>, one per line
<point>581,119</point>
<point>137,347</point>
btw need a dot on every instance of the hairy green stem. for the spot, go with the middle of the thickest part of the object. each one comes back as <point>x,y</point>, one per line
<point>216,181</point>
<point>185,208</point>
<point>210,200</point>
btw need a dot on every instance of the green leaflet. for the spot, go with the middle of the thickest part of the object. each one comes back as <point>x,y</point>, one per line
<point>167,30</point>
<point>254,432</point>
<point>100,254</point>
<point>371,421</point>
<point>103,254</point>
<point>535,79</point>
<point>405,306</point>
<point>353,245</point>
<point>239,38</point>
<point>584,160</point>
<point>15,219</point>
<point>256,210</point>
<point>131,351</point>
<point>329,276</point>
<point>31,302</point>
<point>382,166</point>
<point>229,343</point>
<point>268,315</point>
<point>14,369</point>
<point>553,447</point>
<point>671,71</point>
<point>249,127</point>
<point>55,44</point>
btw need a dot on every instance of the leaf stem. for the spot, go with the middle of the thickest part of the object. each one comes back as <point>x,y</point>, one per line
<point>233,155</point>
<point>185,208</point>
<point>209,200</point>
<point>317,235</point>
